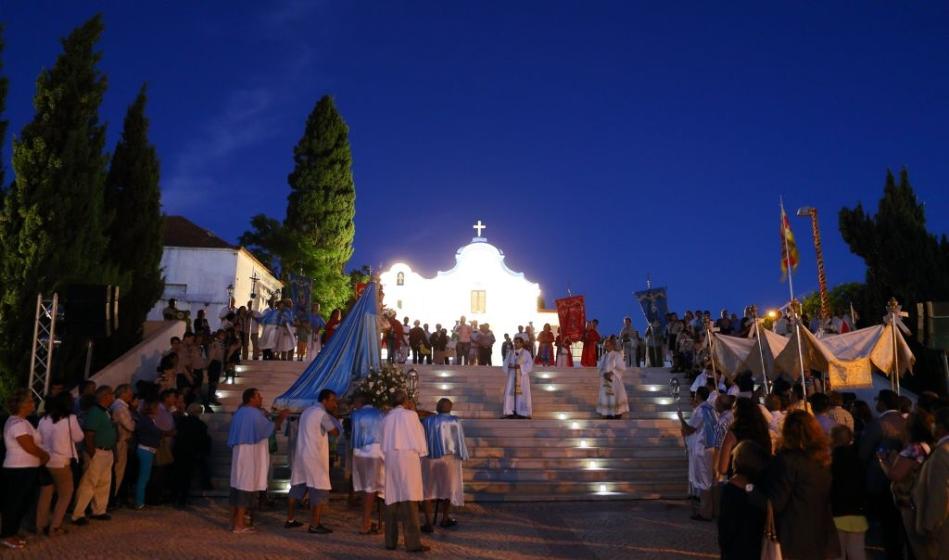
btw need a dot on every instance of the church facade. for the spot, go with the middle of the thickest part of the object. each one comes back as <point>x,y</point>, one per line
<point>479,287</point>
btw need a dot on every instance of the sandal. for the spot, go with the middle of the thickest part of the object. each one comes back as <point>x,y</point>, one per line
<point>450,522</point>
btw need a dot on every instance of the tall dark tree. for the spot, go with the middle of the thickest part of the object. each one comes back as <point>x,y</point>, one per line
<point>316,238</point>
<point>322,203</point>
<point>54,220</point>
<point>133,200</point>
<point>903,258</point>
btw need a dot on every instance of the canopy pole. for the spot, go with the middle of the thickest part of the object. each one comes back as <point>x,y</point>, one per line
<point>893,309</point>
<point>711,353</point>
<point>764,369</point>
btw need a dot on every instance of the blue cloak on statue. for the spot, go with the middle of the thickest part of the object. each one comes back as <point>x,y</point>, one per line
<point>351,352</point>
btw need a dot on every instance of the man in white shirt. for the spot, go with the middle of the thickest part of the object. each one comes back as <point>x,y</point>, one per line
<point>403,444</point>
<point>125,427</point>
<point>310,473</point>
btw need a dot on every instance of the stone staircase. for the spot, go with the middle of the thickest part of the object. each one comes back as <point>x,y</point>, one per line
<point>566,452</point>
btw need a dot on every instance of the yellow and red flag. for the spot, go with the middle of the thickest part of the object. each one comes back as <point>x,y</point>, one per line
<point>789,254</point>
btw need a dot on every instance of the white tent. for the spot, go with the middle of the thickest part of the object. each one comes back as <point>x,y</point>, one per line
<point>848,358</point>
<point>733,354</point>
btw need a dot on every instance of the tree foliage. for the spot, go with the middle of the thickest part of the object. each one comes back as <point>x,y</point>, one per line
<point>316,236</point>
<point>904,260</point>
<point>840,298</point>
<point>135,234</point>
<point>53,228</point>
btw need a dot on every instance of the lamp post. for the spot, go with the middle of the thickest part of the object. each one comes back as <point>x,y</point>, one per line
<point>230,294</point>
<point>821,277</point>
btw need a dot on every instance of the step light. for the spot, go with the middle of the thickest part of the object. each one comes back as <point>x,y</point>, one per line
<point>574,425</point>
<point>665,401</point>
<point>603,489</point>
<point>562,416</point>
<point>583,444</point>
<point>444,387</point>
<point>550,388</point>
<point>593,466</point>
<point>444,374</point>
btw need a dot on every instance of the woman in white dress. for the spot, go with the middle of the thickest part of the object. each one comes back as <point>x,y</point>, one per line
<point>517,391</point>
<point>612,402</point>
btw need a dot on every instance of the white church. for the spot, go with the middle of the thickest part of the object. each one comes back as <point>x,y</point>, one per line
<point>479,287</point>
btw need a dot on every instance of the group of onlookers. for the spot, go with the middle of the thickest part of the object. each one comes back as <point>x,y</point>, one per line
<point>825,469</point>
<point>106,449</point>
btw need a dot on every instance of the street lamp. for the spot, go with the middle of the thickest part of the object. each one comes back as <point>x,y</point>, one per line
<point>230,293</point>
<point>821,277</point>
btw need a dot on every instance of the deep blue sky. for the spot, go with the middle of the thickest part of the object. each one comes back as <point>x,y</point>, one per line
<point>600,142</point>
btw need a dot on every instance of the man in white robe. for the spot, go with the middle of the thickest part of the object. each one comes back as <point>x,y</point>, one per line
<point>612,402</point>
<point>369,475</point>
<point>248,439</point>
<point>517,391</point>
<point>442,474</point>
<point>403,444</point>
<point>699,432</point>
<point>286,341</point>
<point>310,472</point>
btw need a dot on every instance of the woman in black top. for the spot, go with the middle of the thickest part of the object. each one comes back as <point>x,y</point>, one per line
<point>799,484</point>
<point>741,516</point>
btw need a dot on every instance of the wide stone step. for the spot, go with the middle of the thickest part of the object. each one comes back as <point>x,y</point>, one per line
<point>532,463</point>
<point>645,475</point>
<point>560,442</point>
<point>655,450</point>
<point>501,434</point>
<point>639,490</point>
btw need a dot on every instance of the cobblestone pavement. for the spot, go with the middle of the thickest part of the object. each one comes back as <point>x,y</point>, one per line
<point>606,530</point>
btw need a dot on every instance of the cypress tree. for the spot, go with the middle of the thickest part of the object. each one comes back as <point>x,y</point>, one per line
<point>322,204</point>
<point>54,220</point>
<point>903,258</point>
<point>133,199</point>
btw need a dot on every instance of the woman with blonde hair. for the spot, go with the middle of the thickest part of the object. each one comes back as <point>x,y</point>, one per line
<point>799,487</point>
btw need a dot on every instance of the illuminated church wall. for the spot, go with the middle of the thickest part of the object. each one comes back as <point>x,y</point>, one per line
<point>480,287</point>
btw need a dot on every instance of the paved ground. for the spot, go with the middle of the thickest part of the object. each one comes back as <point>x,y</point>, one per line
<point>608,530</point>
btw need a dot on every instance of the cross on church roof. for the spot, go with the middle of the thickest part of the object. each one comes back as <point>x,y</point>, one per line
<point>479,226</point>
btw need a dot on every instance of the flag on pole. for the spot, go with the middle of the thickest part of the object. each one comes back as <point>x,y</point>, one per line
<point>789,254</point>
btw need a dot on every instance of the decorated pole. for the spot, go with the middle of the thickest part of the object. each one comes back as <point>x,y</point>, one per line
<point>764,369</point>
<point>821,276</point>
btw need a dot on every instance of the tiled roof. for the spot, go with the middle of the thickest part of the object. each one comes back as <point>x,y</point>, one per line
<point>182,232</point>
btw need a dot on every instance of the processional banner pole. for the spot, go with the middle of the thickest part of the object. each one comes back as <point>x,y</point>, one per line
<point>764,369</point>
<point>788,263</point>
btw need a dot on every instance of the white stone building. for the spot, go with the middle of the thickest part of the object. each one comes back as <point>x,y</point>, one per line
<point>480,287</point>
<point>199,267</point>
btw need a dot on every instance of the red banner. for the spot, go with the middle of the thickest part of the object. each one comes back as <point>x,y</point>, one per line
<point>573,317</point>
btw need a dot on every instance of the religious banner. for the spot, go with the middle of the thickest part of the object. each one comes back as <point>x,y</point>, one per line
<point>654,303</point>
<point>573,317</point>
<point>300,289</point>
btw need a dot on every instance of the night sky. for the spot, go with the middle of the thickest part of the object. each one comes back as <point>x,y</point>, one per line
<point>600,142</point>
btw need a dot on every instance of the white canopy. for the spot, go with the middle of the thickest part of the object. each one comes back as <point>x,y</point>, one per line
<point>848,358</point>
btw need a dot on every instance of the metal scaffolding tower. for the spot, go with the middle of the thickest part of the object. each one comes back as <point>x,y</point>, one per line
<point>44,342</point>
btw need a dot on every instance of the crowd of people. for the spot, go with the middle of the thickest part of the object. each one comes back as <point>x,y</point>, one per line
<point>398,457</point>
<point>823,470</point>
<point>110,448</point>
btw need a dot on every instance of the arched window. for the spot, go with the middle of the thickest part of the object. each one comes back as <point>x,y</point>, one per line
<point>400,279</point>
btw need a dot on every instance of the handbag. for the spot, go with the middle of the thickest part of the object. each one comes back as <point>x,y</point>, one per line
<point>770,547</point>
<point>164,456</point>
